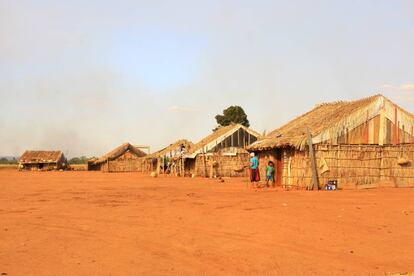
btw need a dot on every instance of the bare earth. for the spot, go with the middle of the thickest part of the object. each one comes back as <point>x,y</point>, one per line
<point>91,223</point>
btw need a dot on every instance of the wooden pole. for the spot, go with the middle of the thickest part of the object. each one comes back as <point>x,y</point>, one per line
<point>205,163</point>
<point>182,168</point>
<point>367,130</point>
<point>315,179</point>
<point>412,135</point>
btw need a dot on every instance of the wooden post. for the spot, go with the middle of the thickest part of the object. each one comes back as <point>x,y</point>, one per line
<point>182,168</point>
<point>205,163</point>
<point>367,130</point>
<point>315,179</point>
<point>412,135</point>
<point>238,138</point>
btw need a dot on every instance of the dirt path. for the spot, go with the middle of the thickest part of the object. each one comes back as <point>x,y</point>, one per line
<point>90,223</point>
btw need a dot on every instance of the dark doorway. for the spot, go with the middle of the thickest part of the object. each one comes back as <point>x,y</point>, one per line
<point>279,167</point>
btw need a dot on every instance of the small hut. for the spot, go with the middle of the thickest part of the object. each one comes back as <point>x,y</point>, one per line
<point>354,144</point>
<point>169,159</point>
<point>42,161</point>
<point>125,158</point>
<point>221,153</point>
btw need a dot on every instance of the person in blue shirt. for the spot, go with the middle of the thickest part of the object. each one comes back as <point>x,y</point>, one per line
<point>270,174</point>
<point>254,168</point>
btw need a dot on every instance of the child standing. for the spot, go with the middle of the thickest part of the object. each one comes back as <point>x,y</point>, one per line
<point>270,174</point>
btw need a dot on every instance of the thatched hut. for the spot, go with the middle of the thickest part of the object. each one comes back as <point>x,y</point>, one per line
<point>42,160</point>
<point>221,153</point>
<point>355,143</point>
<point>125,158</point>
<point>169,159</point>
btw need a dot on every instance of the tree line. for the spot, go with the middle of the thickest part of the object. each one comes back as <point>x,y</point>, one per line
<point>8,161</point>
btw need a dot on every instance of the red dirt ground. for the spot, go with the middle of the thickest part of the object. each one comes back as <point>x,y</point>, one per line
<point>91,223</point>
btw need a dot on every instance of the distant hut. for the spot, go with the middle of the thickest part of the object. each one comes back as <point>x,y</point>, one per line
<point>355,144</point>
<point>42,161</point>
<point>125,158</point>
<point>168,159</point>
<point>222,153</point>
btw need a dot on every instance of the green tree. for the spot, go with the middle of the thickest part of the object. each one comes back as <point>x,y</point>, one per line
<point>78,160</point>
<point>233,114</point>
<point>4,160</point>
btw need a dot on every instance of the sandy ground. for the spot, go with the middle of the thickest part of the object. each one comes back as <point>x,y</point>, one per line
<point>90,223</point>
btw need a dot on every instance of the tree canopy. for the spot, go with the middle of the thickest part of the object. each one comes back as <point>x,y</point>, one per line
<point>8,161</point>
<point>233,114</point>
<point>78,160</point>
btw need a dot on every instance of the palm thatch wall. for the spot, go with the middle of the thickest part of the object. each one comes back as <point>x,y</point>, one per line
<point>229,162</point>
<point>353,166</point>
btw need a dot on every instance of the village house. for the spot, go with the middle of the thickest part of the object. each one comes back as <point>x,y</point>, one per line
<point>355,144</point>
<point>125,158</point>
<point>221,153</point>
<point>169,159</point>
<point>42,160</point>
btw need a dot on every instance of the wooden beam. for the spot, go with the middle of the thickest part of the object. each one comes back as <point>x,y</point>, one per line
<point>148,148</point>
<point>238,137</point>
<point>315,179</point>
<point>382,128</point>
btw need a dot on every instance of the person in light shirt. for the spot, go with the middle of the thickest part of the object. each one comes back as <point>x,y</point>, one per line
<point>254,168</point>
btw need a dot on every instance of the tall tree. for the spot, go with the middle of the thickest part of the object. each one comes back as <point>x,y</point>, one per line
<point>233,114</point>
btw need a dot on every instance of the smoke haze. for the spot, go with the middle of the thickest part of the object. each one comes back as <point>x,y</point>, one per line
<point>86,76</point>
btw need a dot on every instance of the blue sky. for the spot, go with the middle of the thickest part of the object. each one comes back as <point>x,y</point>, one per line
<point>85,76</point>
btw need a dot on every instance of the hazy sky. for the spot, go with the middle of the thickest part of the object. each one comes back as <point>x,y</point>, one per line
<point>86,76</point>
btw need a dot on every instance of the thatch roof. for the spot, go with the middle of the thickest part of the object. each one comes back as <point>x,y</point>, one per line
<point>171,148</point>
<point>217,136</point>
<point>114,154</point>
<point>326,121</point>
<point>40,156</point>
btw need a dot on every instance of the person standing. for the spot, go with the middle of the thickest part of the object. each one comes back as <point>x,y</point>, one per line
<point>270,174</point>
<point>254,168</point>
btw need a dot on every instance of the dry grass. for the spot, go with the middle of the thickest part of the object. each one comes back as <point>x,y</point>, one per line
<point>79,167</point>
<point>8,166</point>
